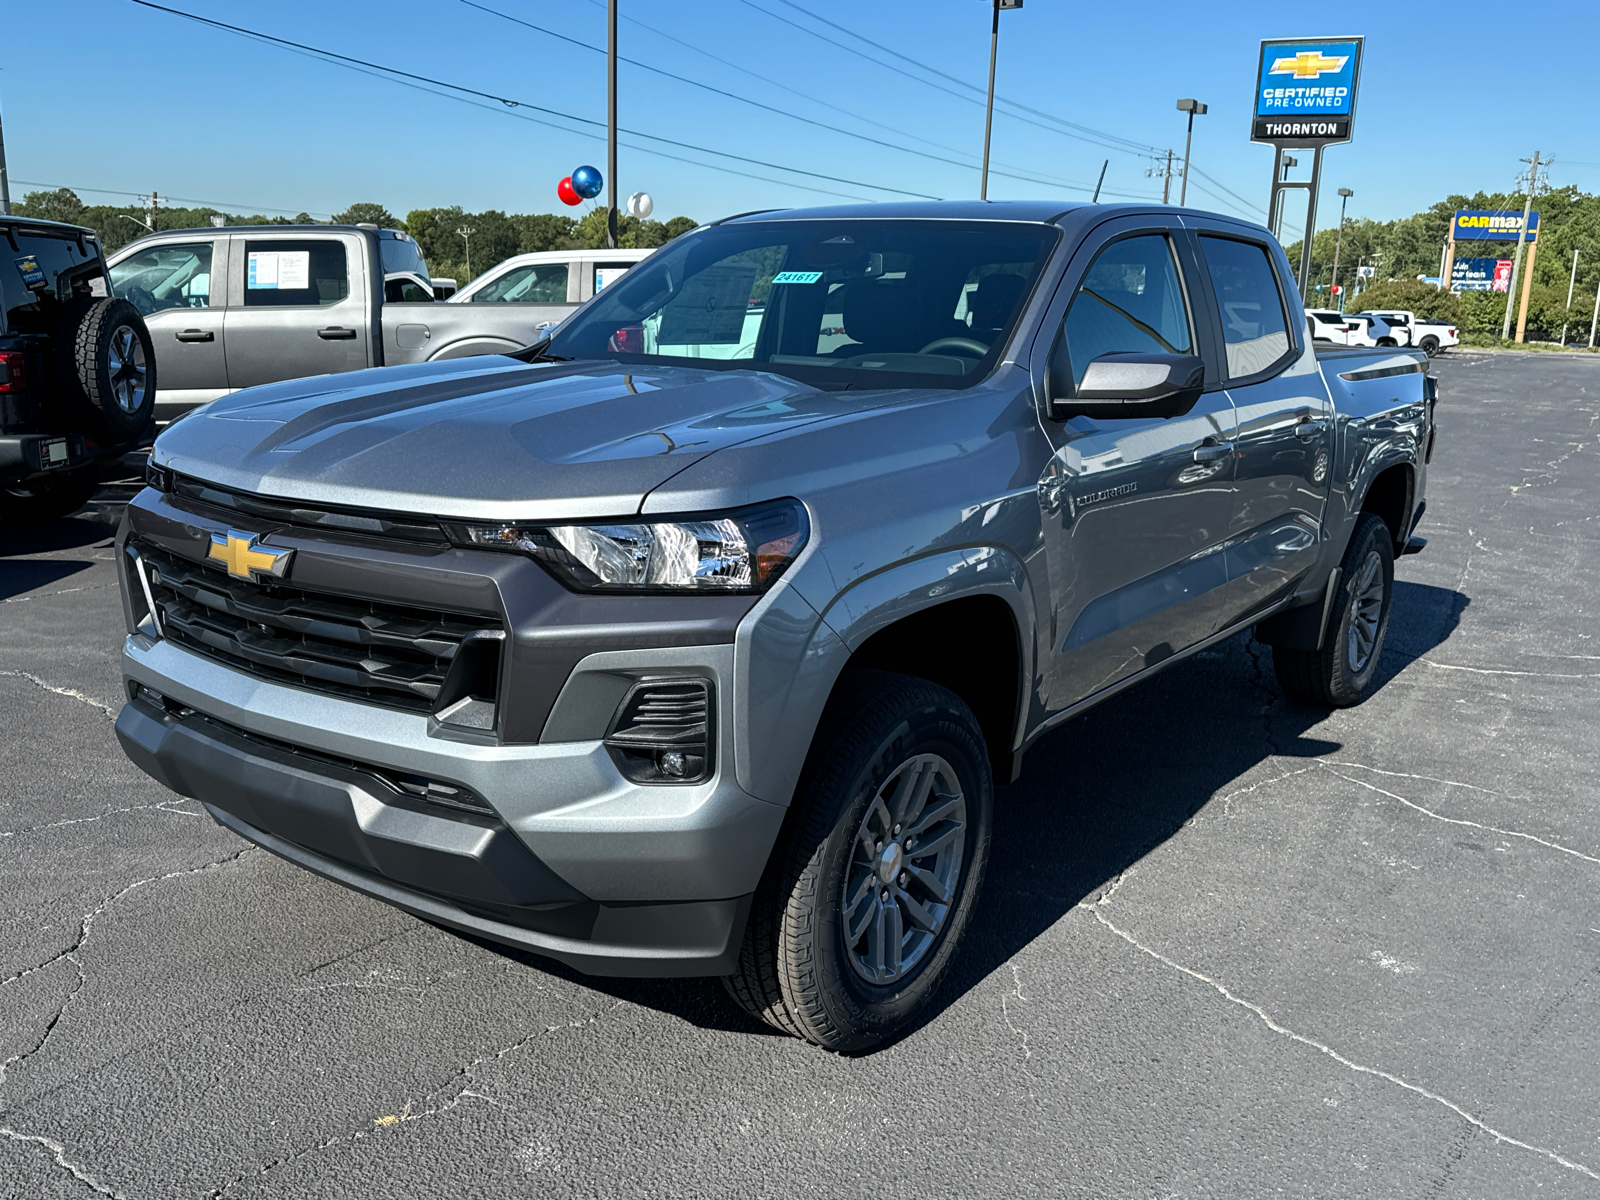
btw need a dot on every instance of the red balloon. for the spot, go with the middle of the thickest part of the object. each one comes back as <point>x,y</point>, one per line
<point>565,190</point>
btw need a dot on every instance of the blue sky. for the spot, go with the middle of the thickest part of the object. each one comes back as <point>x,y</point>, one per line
<point>127,99</point>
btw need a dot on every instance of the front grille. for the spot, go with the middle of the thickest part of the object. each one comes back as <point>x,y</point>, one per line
<point>371,650</point>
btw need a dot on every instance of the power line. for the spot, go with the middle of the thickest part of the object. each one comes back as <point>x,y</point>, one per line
<point>758,104</point>
<point>1129,145</point>
<point>513,103</point>
<point>219,204</point>
<point>1230,191</point>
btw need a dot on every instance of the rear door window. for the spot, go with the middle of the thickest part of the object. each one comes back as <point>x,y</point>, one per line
<point>284,274</point>
<point>163,277</point>
<point>1255,332</point>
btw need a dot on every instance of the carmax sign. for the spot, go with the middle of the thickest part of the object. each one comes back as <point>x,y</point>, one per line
<point>1474,225</point>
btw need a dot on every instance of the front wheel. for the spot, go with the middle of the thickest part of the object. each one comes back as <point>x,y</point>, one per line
<point>1340,674</point>
<point>866,898</point>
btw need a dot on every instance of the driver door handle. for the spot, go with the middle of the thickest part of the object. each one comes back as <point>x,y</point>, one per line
<point>1307,430</point>
<point>1211,451</point>
<point>196,335</point>
<point>335,333</point>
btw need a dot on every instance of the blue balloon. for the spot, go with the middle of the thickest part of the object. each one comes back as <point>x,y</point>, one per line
<point>587,182</point>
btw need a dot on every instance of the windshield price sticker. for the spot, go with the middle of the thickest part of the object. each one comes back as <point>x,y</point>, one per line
<point>279,270</point>
<point>797,277</point>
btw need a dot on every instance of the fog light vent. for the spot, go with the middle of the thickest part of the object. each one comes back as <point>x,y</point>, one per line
<point>662,732</point>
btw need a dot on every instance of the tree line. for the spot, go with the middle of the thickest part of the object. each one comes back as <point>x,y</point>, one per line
<point>495,237</point>
<point>1407,247</point>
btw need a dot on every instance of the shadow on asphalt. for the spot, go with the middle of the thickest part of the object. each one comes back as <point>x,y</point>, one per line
<point>1099,794</point>
<point>86,528</point>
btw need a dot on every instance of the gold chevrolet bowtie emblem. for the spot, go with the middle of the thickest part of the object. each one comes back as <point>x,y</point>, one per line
<point>244,559</point>
<point>1309,64</point>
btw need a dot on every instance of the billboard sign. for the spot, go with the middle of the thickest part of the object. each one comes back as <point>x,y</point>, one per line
<point>1479,274</point>
<point>1487,225</point>
<point>1306,91</point>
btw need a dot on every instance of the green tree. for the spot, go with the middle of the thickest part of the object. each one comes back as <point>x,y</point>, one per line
<point>60,205</point>
<point>367,214</point>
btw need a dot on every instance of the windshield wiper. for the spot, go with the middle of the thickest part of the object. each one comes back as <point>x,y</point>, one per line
<point>536,353</point>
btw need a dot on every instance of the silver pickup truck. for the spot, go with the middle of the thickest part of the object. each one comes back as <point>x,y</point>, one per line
<point>673,646</point>
<point>236,307</point>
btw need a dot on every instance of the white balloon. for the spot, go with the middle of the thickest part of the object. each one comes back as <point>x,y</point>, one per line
<point>640,205</point>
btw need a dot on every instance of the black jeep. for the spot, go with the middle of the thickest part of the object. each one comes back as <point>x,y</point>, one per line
<point>77,370</point>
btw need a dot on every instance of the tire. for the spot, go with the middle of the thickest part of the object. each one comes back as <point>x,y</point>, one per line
<point>891,748</point>
<point>47,499</point>
<point>1387,342</point>
<point>1430,347</point>
<point>107,367</point>
<point>1341,673</point>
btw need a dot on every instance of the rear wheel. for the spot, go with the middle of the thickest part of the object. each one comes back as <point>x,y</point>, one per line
<point>47,499</point>
<point>1341,673</point>
<point>1430,346</point>
<point>866,898</point>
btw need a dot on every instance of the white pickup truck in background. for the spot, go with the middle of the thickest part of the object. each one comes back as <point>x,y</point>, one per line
<point>1429,336</point>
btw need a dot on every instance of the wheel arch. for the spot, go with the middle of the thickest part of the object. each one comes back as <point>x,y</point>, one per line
<point>1390,495</point>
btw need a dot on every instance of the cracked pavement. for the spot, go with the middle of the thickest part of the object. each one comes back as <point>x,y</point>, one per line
<point>1227,947</point>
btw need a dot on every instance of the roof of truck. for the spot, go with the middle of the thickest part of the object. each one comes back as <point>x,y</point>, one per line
<point>54,226</point>
<point>944,210</point>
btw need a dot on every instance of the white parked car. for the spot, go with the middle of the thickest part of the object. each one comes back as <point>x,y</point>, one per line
<point>1327,326</point>
<point>1369,329</point>
<point>556,281</point>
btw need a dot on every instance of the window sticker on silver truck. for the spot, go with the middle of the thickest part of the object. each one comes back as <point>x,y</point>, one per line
<point>287,269</point>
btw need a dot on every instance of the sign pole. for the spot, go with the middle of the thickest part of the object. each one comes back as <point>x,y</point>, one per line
<point>1527,288</point>
<point>1449,257</point>
<point>1594,320</point>
<point>1311,223</point>
<point>1572,282</point>
<point>611,124</point>
<point>1522,237</point>
<point>988,112</point>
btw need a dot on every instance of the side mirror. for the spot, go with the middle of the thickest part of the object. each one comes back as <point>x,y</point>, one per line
<point>1131,385</point>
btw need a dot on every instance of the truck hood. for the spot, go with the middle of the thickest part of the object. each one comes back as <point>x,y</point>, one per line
<point>489,437</point>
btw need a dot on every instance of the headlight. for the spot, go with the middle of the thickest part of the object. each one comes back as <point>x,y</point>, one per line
<point>740,551</point>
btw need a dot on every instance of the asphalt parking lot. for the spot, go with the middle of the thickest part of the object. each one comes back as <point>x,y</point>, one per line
<point>1228,947</point>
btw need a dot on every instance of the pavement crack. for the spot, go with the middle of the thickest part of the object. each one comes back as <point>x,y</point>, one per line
<point>1372,787</point>
<point>1022,1035</point>
<point>97,587</point>
<point>1096,910</point>
<point>70,954</point>
<point>1258,679</point>
<point>1439,666</point>
<point>59,1152</point>
<point>163,806</point>
<point>427,1107</point>
<point>72,693</point>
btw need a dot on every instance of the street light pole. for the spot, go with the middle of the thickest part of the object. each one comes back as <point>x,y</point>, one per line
<point>1195,109</point>
<point>1338,244</point>
<point>1571,283</point>
<point>611,124</point>
<point>5,183</point>
<point>988,112</point>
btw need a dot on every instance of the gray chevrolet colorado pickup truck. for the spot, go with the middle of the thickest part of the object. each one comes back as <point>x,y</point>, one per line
<point>661,649</point>
<point>244,305</point>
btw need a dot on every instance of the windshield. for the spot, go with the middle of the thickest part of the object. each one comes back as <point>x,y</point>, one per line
<point>859,303</point>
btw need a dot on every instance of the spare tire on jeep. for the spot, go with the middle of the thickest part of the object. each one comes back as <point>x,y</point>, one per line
<point>107,367</point>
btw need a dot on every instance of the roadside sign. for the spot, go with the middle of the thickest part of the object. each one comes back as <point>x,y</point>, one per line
<point>1306,91</point>
<point>1366,272</point>
<point>1502,274</point>
<point>1477,274</point>
<point>1489,225</point>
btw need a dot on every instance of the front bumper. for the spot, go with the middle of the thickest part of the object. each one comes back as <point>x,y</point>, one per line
<point>576,863</point>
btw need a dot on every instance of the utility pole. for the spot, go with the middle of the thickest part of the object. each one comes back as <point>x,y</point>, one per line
<point>1522,237</point>
<point>1166,181</point>
<point>466,232</point>
<point>988,112</point>
<point>611,123</point>
<point>155,206</point>
<point>1100,181</point>
<point>1195,109</point>
<point>1571,281</point>
<point>5,183</point>
<point>1344,199</point>
<point>1594,320</point>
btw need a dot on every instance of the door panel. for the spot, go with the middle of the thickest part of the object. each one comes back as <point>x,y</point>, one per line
<point>179,287</point>
<point>1284,436</point>
<point>1134,510</point>
<point>301,308</point>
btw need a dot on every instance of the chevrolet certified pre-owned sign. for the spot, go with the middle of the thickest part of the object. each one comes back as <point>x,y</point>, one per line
<point>1473,225</point>
<point>1306,91</point>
